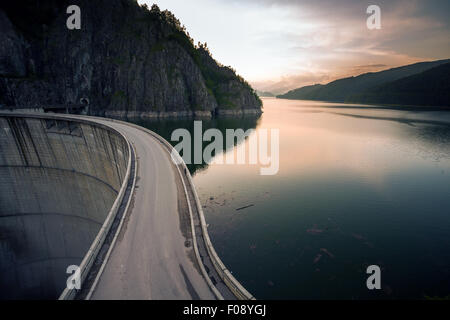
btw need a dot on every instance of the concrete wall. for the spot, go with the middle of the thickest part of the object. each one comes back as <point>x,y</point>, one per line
<point>58,181</point>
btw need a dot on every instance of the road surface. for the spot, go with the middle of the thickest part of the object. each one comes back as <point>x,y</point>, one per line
<point>153,256</point>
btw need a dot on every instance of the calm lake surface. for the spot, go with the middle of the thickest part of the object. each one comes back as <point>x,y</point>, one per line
<point>357,186</point>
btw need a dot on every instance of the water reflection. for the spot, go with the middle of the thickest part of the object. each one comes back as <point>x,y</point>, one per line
<point>165,128</point>
<point>356,186</point>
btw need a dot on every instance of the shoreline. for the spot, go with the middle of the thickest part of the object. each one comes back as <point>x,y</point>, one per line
<point>357,105</point>
<point>150,115</point>
<point>180,114</point>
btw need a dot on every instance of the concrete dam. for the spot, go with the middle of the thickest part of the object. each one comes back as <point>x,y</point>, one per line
<point>58,181</point>
<point>103,195</point>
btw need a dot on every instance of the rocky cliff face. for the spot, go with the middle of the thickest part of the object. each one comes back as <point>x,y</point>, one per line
<point>126,60</point>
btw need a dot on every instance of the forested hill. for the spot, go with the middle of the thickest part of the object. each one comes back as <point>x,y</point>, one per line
<point>431,87</point>
<point>127,60</point>
<point>424,83</point>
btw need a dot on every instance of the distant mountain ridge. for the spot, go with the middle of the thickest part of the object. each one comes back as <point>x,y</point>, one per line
<point>424,83</point>
<point>431,87</point>
<point>264,94</point>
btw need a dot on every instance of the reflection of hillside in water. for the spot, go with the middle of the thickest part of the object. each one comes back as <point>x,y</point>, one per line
<point>165,128</point>
<point>429,137</point>
<point>429,132</point>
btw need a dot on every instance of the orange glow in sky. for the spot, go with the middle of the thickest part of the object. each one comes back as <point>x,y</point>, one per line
<point>286,44</point>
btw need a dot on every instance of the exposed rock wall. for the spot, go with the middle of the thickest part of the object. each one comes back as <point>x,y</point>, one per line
<point>126,59</point>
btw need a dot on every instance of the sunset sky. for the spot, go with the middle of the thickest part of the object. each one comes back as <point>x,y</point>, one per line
<point>285,44</point>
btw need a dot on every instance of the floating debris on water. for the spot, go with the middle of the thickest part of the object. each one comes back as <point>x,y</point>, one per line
<point>317,258</point>
<point>358,236</point>
<point>314,230</point>
<point>242,208</point>
<point>327,252</point>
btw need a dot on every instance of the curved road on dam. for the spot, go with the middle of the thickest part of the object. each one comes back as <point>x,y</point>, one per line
<point>152,257</point>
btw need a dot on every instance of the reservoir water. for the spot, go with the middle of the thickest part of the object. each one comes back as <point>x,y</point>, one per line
<point>357,186</point>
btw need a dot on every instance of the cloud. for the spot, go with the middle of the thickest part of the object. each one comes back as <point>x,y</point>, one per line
<point>284,44</point>
<point>286,83</point>
<point>340,45</point>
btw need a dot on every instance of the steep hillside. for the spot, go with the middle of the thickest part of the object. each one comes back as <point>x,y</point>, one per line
<point>353,88</point>
<point>431,87</point>
<point>126,60</point>
<point>305,93</point>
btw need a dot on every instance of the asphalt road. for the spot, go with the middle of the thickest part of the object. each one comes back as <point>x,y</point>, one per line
<point>151,258</point>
